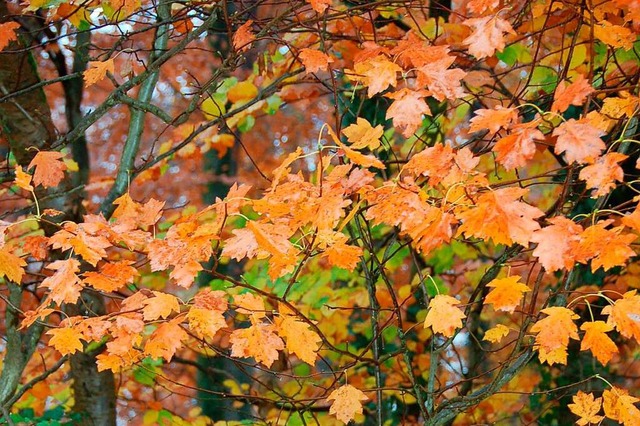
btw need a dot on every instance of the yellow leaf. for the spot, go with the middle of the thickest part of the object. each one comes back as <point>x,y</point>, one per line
<point>586,407</point>
<point>97,71</point>
<point>507,293</point>
<point>301,341</point>
<point>23,180</point>
<point>495,334</point>
<point>65,340</point>
<point>346,402</point>
<point>11,266</point>
<point>444,317</point>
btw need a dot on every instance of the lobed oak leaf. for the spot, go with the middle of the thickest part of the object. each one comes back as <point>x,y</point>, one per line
<point>243,37</point>
<point>165,340</point>
<point>8,33</point>
<point>11,266</point>
<point>64,285</point>
<point>407,110</point>
<point>624,315</point>
<point>301,340</point>
<point>579,140</point>
<point>65,340</point>
<point>507,293</point>
<point>556,243</point>
<point>586,407</point>
<point>205,322</point>
<point>517,148</point>
<point>49,168</point>
<point>314,60</point>
<point>493,119</point>
<point>377,74</point>
<point>596,339</point>
<point>97,71</point>
<point>496,334</point>
<point>362,135</point>
<point>111,276</point>
<point>23,180</point>
<point>553,334</point>
<point>571,94</point>
<point>602,175</point>
<point>258,341</point>
<point>347,402</point>
<point>619,405</point>
<point>444,316</point>
<point>498,215</point>
<point>487,35</point>
<point>162,305</point>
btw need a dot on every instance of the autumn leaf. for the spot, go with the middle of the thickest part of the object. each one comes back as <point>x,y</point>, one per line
<point>314,60</point>
<point>553,334</point>
<point>259,341</point>
<point>11,266</point>
<point>49,168</point>
<point>319,5</point>
<point>165,341</point>
<point>493,120</point>
<point>624,315</point>
<point>556,243</point>
<point>347,402</point>
<point>250,304</point>
<point>596,339</point>
<point>433,162</point>
<point>23,180</point>
<point>605,248</point>
<point>242,92</point>
<point>407,110</point>
<point>571,94</point>
<point>614,35</point>
<point>134,215</point>
<point>579,140</point>
<point>602,175</point>
<point>162,305</point>
<point>355,156</point>
<point>243,37</point>
<point>518,147</point>
<point>619,405</point>
<point>8,33</point>
<point>507,293</point>
<point>111,276</point>
<point>342,255</point>
<point>586,407</point>
<point>444,316</point>
<point>500,216</point>
<point>97,70</point>
<point>301,340</point>
<point>487,35</point>
<point>75,236</point>
<point>362,135</point>
<point>442,83</point>
<point>377,74</point>
<point>496,334</point>
<point>64,285</point>
<point>65,340</point>
<point>205,322</point>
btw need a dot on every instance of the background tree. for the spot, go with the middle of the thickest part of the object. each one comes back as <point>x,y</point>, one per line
<point>435,209</point>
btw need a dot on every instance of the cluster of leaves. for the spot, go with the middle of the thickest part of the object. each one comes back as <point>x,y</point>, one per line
<point>406,264</point>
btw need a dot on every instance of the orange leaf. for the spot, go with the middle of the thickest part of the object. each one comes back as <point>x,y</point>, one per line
<point>11,266</point>
<point>111,276</point>
<point>507,293</point>
<point>205,322</point>
<point>603,174</point>
<point>442,82</point>
<point>517,148</point>
<point>258,341</point>
<point>586,407</point>
<point>73,236</point>
<point>160,306</point>
<point>444,317</point>
<point>343,255</point>
<point>433,162</point>
<point>495,334</point>
<point>377,73</point>
<point>605,247</point>
<point>301,340</point>
<point>487,35</point>
<point>23,180</point>
<point>624,315</point>
<point>250,304</point>
<point>165,341</point>
<point>556,243</point>
<point>579,140</point>
<point>347,402</point>
<point>97,71</point>
<point>500,216</point>
<point>362,135</point>
<point>49,168</point>
<point>571,94</point>
<point>243,36</point>
<point>596,339</point>
<point>319,5</point>
<point>618,405</point>
<point>8,33</point>
<point>136,215</point>
<point>493,119</point>
<point>407,110</point>
<point>554,333</point>
<point>314,60</point>
<point>65,340</point>
<point>64,284</point>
